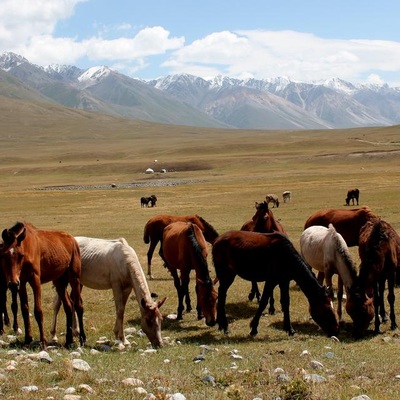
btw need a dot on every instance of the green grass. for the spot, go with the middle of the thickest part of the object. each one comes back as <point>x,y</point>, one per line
<point>229,170</point>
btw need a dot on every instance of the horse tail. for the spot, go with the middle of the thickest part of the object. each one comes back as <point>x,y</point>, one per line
<point>146,236</point>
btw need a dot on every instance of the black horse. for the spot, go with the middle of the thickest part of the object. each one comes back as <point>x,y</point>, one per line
<point>353,194</point>
<point>144,201</point>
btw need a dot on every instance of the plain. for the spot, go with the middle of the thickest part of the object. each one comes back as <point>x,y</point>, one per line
<point>85,174</point>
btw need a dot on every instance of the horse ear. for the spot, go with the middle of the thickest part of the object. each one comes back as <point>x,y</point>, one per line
<point>4,235</point>
<point>21,237</point>
<point>161,302</point>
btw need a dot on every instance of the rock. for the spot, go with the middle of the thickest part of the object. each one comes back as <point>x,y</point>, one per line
<point>70,390</point>
<point>80,365</point>
<point>85,388</point>
<point>282,378</point>
<point>31,388</point>
<point>132,382</point>
<point>314,378</point>
<point>316,364</point>
<point>361,397</point>
<point>208,379</point>
<point>176,396</point>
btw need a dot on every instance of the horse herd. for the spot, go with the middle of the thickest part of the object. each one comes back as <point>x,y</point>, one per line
<point>260,251</point>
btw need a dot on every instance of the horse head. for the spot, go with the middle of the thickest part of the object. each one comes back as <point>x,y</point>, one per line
<point>151,321</point>
<point>207,300</point>
<point>13,253</point>
<point>323,313</point>
<point>361,309</point>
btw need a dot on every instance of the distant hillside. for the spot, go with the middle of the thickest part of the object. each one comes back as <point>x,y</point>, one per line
<point>222,102</point>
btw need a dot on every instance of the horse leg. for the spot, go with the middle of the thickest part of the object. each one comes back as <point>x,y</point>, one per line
<point>271,309</point>
<point>23,299</point>
<point>56,309</point>
<point>224,284</point>
<point>266,294</point>
<point>376,305</point>
<point>254,292</point>
<point>3,305</point>
<point>198,308</point>
<point>391,298</point>
<point>153,244</point>
<point>340,298</point>
<point>382,311</point>
<point>179,291</point>
<point>62,292</point>
<point>185,287</point>
<point>285,302</point>
<point>14,309</point>
<point>120,299</point>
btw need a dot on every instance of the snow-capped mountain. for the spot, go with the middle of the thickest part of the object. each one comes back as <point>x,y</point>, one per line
<point>271,103</point>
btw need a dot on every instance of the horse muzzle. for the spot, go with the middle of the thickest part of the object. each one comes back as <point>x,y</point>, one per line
<point>13,285</point>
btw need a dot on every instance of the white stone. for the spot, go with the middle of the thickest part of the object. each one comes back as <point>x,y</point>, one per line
<point>80,365</point>
<point>132,382</point>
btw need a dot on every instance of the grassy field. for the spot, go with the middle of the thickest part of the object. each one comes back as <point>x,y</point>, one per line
<point>218,174</point>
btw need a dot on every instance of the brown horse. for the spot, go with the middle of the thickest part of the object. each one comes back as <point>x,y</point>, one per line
<point>379,251</point>
<point>184,248</point>
<point>269,258</point>
<point>4,318</point>
<point>346,222</point>
<point>153,231</point>
<point>263,221</point>
<point>30,255</point>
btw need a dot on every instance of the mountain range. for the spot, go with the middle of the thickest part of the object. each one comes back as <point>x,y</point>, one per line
<point>221,102</point>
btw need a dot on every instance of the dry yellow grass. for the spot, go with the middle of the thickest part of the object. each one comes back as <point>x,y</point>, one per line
<point>227,171</point>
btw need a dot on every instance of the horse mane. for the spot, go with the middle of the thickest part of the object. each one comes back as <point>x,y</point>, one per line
<point>208,225</point>
<point>139,282</point>
<point>199,253</point>
<point>344,251</point>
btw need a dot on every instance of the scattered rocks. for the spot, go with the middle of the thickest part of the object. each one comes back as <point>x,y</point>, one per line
<point>314,378</point>
<point>80,365</point>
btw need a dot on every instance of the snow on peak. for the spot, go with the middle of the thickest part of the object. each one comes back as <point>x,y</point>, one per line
<point>9,60</point>
<point>94,74</point>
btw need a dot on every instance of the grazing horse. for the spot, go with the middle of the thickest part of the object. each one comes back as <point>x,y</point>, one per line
<point>379,251</point>
<point>326,251</point>
<point>272,198</point>
<point>263,221</point>
<point>346,222</point>
<point>34,256</point>
<point>286,196</point>
<point>144,201</point>
<point>269,258</point>
<point>353,194</point>
<point>153,231</point>
<point>113,264</point>
<point>184,248</point>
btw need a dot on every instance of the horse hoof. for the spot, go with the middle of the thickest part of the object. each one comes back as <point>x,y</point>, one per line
<point>253,333</point>
<point>271,311</point>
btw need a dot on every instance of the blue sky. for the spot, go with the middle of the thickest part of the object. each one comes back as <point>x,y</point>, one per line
<point>309,40</point>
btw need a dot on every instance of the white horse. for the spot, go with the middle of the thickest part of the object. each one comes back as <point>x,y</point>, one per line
<point>113,264</point>
<point>272,198</point>
<point>286,196</point>
<point>325,250</point>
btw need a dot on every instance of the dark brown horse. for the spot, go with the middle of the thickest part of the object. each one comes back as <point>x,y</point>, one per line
<point>263,221</point>
<point>379,251</point>
<point>353,194</point>
<point>30,255</point>
<point>346,222</point>
<point>184,249</point>
<point>269,258</point>
<point>153,231</point>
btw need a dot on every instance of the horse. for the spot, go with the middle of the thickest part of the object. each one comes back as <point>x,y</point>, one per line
<point>326,251</point>
<point>346,222</point>
<point>353,194</point>
<point>269,258</point>
<point>34,256</point>
<point>144,201</point>
<point>113,264</point>
<point>263,221</point>
<point>184,248</point>
<point>286,196</point>
<point>272,198</point>
<point>379,251</point>
<point>153,231</point>
<point>4,318</point>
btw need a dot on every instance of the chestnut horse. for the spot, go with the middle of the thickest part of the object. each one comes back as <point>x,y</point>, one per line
<point>269,258</point>
<point>379,251</point>
<point>4,318</point>
<point>346,222</point>
<point>113,264</point>
<point>325,250</point>
<point>263,221</point>
<point>153,231</point>
<point>34,256</point>
<point>184,248</point>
